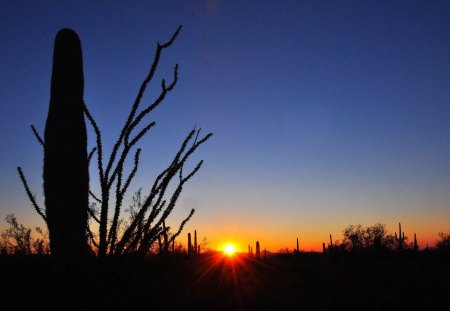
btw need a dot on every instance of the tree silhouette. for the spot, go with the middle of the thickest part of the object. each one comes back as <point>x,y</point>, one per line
<point>353,237</point>
<point>443,243</point>
<point>375,237</point>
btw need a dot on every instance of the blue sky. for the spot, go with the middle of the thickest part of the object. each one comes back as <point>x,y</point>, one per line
<point>324,113</point>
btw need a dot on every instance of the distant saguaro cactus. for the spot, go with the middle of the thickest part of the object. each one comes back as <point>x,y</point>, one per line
<point>258,251</point>
<point>195,243</point>
<point>66,176</point>
<point>400,238</point>
<point>189,250</point>
<point>416,246</point>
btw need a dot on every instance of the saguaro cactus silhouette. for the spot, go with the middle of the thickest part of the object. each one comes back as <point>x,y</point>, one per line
<point>195,242</point>
<point>258,251</point>
<point>400,238</point>
<point>66,177</point>
<point>189,249</point>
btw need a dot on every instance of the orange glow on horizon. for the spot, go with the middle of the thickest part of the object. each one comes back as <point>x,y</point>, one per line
<point>308,244</point>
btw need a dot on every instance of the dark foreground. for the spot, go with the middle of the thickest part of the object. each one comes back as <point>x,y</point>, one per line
<point>410,281</point>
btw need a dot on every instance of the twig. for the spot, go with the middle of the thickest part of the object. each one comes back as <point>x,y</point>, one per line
<point>30,195</point>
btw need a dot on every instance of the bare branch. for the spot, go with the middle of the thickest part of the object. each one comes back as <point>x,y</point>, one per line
<point>141,134</point>
<point>140,215</point>
<point>138,99</point>
<point>181,226</point>
<point>174,36</point>
<point>149,237</point>
<point>94,197</point>
<point>125,152</point>
<point>161,97</point>
<point>119,198</point>
<point>92,214</point>
<point>159,191</point>
<point>103,184</point>
<point>99,143</point>
<point>196,136</point>
<point>30,195</point>
<point>91,236</point>
<point>195,146</point>
<point>133,172</point>
<point>91,154</point>
<point>36,134</point>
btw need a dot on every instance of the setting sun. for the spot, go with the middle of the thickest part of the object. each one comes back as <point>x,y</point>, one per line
<point>229,249</point>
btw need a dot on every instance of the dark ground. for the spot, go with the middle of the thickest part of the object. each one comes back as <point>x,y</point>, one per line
<point>408,281</point>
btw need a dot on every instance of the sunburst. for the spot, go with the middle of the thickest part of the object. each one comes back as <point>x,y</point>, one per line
<point>229,249</point>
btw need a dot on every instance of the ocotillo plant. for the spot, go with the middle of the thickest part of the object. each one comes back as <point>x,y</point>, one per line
<point>66,177</point>
<point>258,252</point>
<point>400,238</point>
<point>143,230</point>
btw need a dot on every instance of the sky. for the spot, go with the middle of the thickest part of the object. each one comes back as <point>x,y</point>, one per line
<point>324,113</point>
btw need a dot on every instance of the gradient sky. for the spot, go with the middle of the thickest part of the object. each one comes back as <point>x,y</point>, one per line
<point>324,113</point>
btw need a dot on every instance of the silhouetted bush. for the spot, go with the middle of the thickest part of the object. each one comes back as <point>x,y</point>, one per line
<point>18,239</point>
<point>443,243</point>
<point>375,237</point>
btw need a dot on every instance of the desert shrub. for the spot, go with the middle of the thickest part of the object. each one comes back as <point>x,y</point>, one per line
<point>285,251</point>
<point>3,248</point>
<point>353,237</point>
<point>41,244</point>
<point>376,237</point>
<point>18,239</point>
<point>443,243</point>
